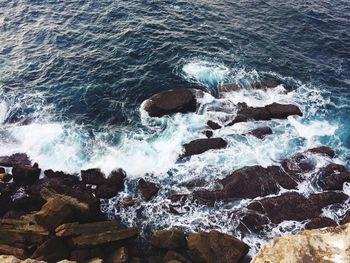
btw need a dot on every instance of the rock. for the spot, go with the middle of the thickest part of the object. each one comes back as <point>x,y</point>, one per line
<point>213,125</point>
<point>13,259</point>
<point>112,185</point>
<point>62,178</point>
<point>169,239</point>
<point>15,159</point>
<point>330,244</point>
<point>129,202</point>
<point>215,247</point>
<point>93,176</point>
<point>331,169</point>
<point>250,182</point>
<point>335,181</point>
<point>25,175</point>
<point>95,260</point>
<point>282,111</point>
<point>121,255</point>
<point>2,170</point>
<point>4,177</point>
<point>82,255</point>
<point>28,203</point>
<point>262,85</point>
<point>52,250</point>
<point>103,238</point>
<point>320,222</point>
<point>171,101</point>
<point>202,145</point>
<point>77,229</point>
<point>173,255</point>
<point>17,252</point>
<point>346,218</point>
<point>323,150</point>
<point>54,213</point>
<point>297,165</point>
<point>261,132</point>
<point>147,189</point>
<point>208,134</point>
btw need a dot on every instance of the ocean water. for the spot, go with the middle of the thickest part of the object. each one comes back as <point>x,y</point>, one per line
<point>74,75</point>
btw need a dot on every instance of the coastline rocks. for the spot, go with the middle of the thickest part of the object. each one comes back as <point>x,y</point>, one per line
<point>262,85</point>
<point>320,222</point>
<point>171,101</point>
<point>261,132</point>
<point>92,176</point>
<point>111,185</point>
<point>169,239</point>
<point>202,145</point>
<point>208,134</point>
<point>25,174</point>
<point>52,250</point>
<point>15,159</point>
<point>335,181</point>
<point>213,125</point>
<point>147,189</point>
<point>213,247</point>
<point>330,244</point>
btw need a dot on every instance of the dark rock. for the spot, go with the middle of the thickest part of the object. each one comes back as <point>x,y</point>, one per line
<point>173,255</point>
<point>2,170</point>
<point>327,198</point>
<point>25,175</point>
<point>4,177</point>
<point>28,203</point>
<point>147,189</point>
<point>61,177</point>
<point>5,203</point>
<point>169,239</point>
<point>216,247</point>
<point>53,250</point>
<point>297,165</point>
<point>261,132</point>
<point>320,222</point>
<point>194,183</point>
<point>346,218</point>
<point>19,253</point>
<point>83,255</point>
<point>250,182</point>
<point>112,185</point>
<point>335,181</point>
<point>331,169</point>
<point>93,176</point>
<point>323,150</point>
<point>213,125</point>
<point>282,111</point>
<point>202,145</point>
<point>252,221</point>
<point>208,134</point>
<point>77,229</point>
<point>15,159</point>
<point>263,85</point>
<point>120,255</point>
<point>171,101</point>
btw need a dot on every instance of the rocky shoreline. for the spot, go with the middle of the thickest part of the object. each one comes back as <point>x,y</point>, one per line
<point>52,216</point>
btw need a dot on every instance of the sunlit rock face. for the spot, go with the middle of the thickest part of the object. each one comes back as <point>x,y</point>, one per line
<point>331,244</point>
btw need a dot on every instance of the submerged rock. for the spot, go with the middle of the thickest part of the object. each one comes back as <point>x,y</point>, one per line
<point>171,101</point>
<point>213,247</point>
<point>330,244</point>
<point>202,145</point>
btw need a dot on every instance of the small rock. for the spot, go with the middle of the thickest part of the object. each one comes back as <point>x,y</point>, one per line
<point>129,202</point>
<point>208,134</point>
<point>202,145</point>
<point>147,189</point>
<point>93,176</point>
<point>261,132</point>
<point>121,255</point>
<point>213,125</point>
<point>169,239</point>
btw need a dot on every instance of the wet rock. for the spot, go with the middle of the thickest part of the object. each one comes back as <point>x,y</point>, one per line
<point>112,185</point>
<point>4,177</point>
<point>323,150</point>
<point>121,255</point>
<point>346,218</point>
<point>318,245</point>
<point>61,177</point>
<point>25,175</point>
<point>147,189</point>
<point>173,255</point>
<point>331,169</point>
<point>320,222</point>
<point>252,221</point>
<point>213,125</point>
<point>5,203</point>
<point>212,247</point>
<point>82,255</point>
<point>335,181</point>
<point>208,134</point>
<point>202,145</point>
<point>261,132</point>
<point>77,229</point>
<point>297,165</point>
<point>52,250</point>
<point>129,202</point>
<point>250,182</point>
<point>171,101</point>
<point>2,170</point>
<point>169,239</point>
<point>15,159</point>
<point>93,176</point>
<point>282,111</point>
<point>263,85</point>
<point>194,183</point>
<point>28,203</point>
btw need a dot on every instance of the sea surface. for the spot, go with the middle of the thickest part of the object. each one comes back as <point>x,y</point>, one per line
<point>74,74</point>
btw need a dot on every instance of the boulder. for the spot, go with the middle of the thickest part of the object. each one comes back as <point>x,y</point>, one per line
<point>213,125</point>
<point>147,189</point>
<point>62,178</point>
<point>208,134</point>
<point>112,185</point>
<point>171,101</point>
<point>82,255</point>
<point>335,181</point>
<point>261,132</point>
<point>320,222</point>
<point>250,182</point>
<point>202,145</point>
<point>77,229</point>
<point>173,255</point>
<point>282,111</point>
<point>169,239</point>
<point>93,176</point>
<point>120,255</point>
<point>15,159</point>
<point>25,174</point>
<point>213,246</point>
<point>330,244</point>
<point>323,150</point>
<point>52,250</point>
<point>5,177</point>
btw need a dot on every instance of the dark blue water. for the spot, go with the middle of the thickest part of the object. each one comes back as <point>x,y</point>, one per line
<point>73,75</point>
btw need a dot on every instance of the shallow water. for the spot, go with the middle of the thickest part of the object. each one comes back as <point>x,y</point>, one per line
<point>73,76</point>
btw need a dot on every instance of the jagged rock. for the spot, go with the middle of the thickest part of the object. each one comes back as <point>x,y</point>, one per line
<point>93,176</point>
<point>147,189</point>
<point>171,101</point>
<point>212,247</point>
<point>169,239</point>
<point>82,255</point>
<point>112,185</point>
<point>61,177</point>
<point>250,182</point>
<point>4,177</point>
<point>121,255</point>
<point>106,237</point>
<point>208,134</point>
<point>15,159</point>
<point>52,250</point>
<point>320,222</point>
<point>76,229</point>
<point>323,150</point>
<point>173,255</point>
<point>261,132</point>
<point>202,145</point>
<point>330,244</point>
<point>213,125</point>
<point>335,181</point>
<point>24,174</point>
<point>13,259</point>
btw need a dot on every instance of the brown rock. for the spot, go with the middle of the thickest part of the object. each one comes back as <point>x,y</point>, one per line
<point>147,189</point>
<point>261,132</point>
<point>20,253</point>
<point>129,202</point>
<point>282,111</point>
<point>215,247</point>
<point>171,101</point>
<point>202,145</point>
<point>93,176</point>
<point>15,159</point>
<point>112,185</point>
<point>24,175</point>
<point>4,177</point>
<point>81,255</point>
<point>173,255</point>
<point>121,255</point>
<point>169,239</point>
<point>76,229</point>
<point>213,125</point>
<point>320,222</point>
<point>52,250</point>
